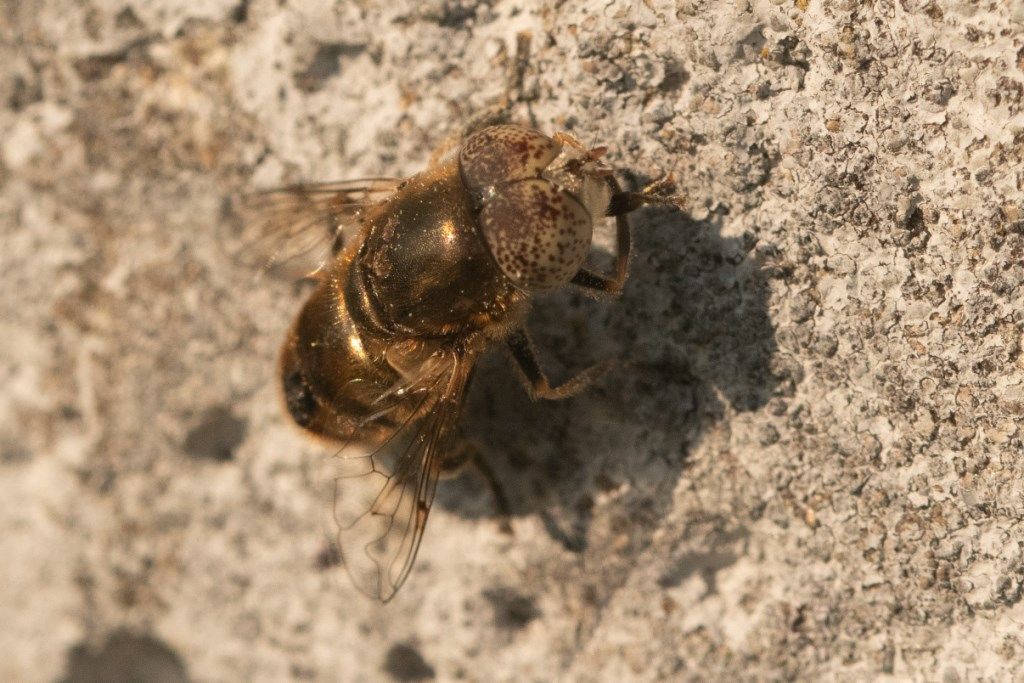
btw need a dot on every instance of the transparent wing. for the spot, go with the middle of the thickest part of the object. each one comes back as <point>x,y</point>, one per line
<point>382,499</point>
<point>298,226</point>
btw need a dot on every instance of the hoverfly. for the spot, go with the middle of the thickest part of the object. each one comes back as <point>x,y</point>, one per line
<point>419,278</point>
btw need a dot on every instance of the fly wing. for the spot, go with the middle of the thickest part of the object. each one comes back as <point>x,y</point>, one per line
<point>382,499</point>
<point>294,228</point>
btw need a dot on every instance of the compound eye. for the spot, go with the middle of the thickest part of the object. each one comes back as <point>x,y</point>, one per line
<point>501,154</point>
<point>539,235</point>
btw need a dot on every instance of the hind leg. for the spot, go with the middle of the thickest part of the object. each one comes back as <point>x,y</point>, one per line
<point>467,453</point>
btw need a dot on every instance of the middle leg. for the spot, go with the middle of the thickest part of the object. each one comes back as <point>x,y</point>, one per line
<point>537,383</point>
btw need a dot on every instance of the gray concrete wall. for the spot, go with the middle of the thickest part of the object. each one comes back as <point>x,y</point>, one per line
<point>809,464</point>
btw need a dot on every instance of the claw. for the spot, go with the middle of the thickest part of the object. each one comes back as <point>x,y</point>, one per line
<point>660,192</point>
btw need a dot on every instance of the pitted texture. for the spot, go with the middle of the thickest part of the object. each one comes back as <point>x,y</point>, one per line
<point>500,154</point>
<point>538,234</point>
<point>807,465</point>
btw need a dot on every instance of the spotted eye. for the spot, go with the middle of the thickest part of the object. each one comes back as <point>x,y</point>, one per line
<point>501,154</point>
<point>538,234</point>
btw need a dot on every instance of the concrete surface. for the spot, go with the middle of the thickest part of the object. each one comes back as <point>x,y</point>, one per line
<point>808,466</point>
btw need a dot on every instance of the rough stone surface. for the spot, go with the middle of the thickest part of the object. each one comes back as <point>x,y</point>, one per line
<point>809,464</point>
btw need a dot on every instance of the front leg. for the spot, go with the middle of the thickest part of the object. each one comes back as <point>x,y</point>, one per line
<point>621,204</point>
<point>501,111</point>
<point>497,113</point>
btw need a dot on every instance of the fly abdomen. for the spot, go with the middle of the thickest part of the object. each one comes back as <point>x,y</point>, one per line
<point>298,397</point>
<point>333,368</point>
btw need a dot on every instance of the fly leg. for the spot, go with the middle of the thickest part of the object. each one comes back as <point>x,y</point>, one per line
<point>517,70</point>
<point>498,113</point>
<point>621,204</point>
<point>501,111</point>
<point>467,453</point>
<point>536,382</point>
